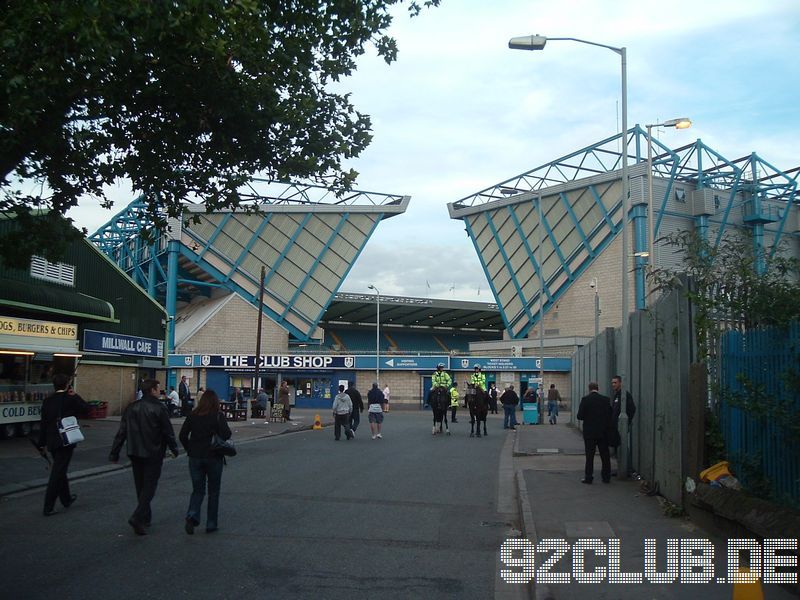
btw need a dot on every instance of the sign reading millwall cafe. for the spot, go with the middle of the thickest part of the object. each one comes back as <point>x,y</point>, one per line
<point>117,343</point>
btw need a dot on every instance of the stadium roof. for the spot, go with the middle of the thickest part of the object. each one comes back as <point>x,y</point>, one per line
<point>360,309</point>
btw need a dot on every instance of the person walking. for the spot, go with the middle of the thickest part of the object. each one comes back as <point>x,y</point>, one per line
<point>283,398</point>
<point>595,412</point>
<point>453,402</point>
<point>196,434</point>
<point>62,403</point>
<point>492,398</point>
<point>386,395</point>
<point>509,400</point>
<point>342,407</point>
<point>553,400</point>
<point>358,406</point>
<point>146,428</point>
<point>375,401</point>
<point>261,401</point>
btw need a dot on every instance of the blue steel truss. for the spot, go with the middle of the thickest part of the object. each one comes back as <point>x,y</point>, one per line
<point>172,270</point>
<point>748,182</point>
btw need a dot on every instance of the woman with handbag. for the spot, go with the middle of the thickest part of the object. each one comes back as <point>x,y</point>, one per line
<point>199,429</point>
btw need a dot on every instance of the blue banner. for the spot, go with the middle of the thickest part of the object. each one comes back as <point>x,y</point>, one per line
<point>490,364</point>
<point>409,363</point>
<point>116,343</point>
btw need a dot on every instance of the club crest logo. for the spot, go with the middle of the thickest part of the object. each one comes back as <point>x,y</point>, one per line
<point>349,361</point>
<point>465,363</point>
<point>187,360</point>
<point>205,360</point>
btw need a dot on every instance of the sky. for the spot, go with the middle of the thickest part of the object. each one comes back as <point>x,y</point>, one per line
<point>459,112</point>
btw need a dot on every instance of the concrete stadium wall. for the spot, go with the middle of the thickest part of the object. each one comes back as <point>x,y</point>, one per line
<point>232,330</point>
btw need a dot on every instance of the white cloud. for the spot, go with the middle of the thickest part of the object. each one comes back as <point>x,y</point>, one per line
<point>459,112</point>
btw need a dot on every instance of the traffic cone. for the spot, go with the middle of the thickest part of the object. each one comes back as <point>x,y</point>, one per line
<point>317,422</point>
<point>747,591</point>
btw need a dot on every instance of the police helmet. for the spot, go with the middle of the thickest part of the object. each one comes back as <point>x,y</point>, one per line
<point>478,367</point>
<point>440,366</point>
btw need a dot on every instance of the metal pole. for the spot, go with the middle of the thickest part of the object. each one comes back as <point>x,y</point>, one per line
<point>651,229</point>
<point>541,304</point>
<point>596,311</point>
<point>623,367</point>
<point>258,336</point>
<point>378,340</point>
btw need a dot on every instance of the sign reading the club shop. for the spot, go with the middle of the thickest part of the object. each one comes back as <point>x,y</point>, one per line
<point>243,361</point>
<point>116,343</point>
<point>31,328</point>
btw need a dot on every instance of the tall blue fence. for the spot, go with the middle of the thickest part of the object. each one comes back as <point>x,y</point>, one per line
<point>768,359</point>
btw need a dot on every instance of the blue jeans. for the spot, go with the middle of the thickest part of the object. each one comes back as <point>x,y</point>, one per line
<point>201,469</point>
<point>355,418</point>
<point>509,416</point>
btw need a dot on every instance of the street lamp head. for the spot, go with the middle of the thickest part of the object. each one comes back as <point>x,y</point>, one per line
<point>527,42</point>
<point>682,123</point>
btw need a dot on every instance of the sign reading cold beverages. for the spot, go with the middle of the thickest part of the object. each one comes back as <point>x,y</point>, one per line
<point>116,343</point>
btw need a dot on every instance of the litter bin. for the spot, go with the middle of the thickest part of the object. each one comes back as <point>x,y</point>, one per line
<point>530,414</point>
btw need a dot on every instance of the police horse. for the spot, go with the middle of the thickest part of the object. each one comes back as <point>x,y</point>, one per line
<point>478,403</point>
<point>439,399</point>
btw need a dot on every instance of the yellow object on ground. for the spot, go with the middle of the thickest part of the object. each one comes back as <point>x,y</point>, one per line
<point>716,471</point>
<point>317,422</point>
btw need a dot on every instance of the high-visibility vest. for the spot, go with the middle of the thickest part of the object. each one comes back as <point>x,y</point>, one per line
<point>441,379</point>
<point>478,380</point>
<point>453,397</point>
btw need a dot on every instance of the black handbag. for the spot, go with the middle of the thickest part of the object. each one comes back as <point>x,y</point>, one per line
<point>221,447</point>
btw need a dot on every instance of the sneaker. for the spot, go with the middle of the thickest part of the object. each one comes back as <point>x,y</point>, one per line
<point>373,437</point>
<point>379,436</point>
<point>433,431</point>
<point>352,433</point>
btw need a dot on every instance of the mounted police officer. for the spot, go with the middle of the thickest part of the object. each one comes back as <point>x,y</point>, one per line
<point>478,378</point>
<point>441,378</point>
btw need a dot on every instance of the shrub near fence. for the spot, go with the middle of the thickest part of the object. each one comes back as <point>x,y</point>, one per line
<point>759,409</point>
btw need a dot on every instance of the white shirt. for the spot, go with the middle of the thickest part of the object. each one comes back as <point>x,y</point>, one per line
<point>386,394</point>
<point>173,397</point>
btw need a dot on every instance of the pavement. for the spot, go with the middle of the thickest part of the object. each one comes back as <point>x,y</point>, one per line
<point>554,504</point>
<point>540,497</point>
<point>21,467</point>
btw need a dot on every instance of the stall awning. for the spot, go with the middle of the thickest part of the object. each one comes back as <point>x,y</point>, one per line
<point>47,299</point>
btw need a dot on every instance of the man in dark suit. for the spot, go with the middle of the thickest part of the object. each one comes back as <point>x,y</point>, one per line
<point>185,396</point>
<point>61,404</point>
<point>595,412</point>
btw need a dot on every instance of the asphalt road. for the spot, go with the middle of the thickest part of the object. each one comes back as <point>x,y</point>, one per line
<point>302,516</point>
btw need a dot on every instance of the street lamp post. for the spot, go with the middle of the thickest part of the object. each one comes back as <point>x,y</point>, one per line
<point>537,42</point>
<point>377,336</point>
<point>681,123</point>
<point>541,307</point>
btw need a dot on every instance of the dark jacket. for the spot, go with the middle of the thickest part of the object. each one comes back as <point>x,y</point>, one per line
<point>509,398</point>
<point>595,412</point>
<point>146,427</point>
<point>69,405</point>
<point>183,392</point>
<point>197,431</point>
<point>375,396</point>
<point>355,396</point>
<point>630,407</point>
